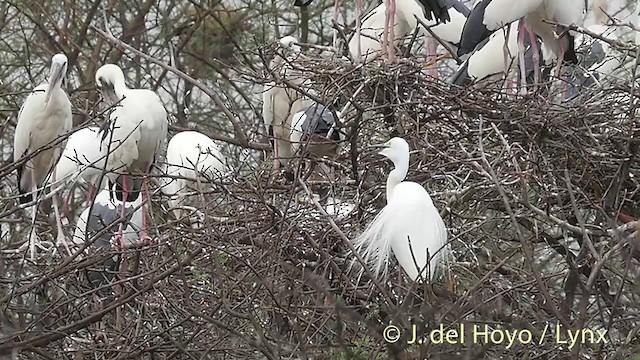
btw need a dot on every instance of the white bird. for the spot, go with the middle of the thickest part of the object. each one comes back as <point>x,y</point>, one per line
<point>82,159</point>
<point>435,10</point>
<point>132,136</point>
<point>409,225</point>
<point>406,22</point>
<point>44,117</point>
<point>281,102</point>
<point>191,157</point>
<point>490,15</point>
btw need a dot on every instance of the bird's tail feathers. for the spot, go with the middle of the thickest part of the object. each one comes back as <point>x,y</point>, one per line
<point>374,246</point>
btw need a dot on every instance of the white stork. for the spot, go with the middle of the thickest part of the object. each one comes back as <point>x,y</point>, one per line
<point>132,137</point>
<point>435,10</point>
<point>191,157</point>
<point>82,160</point>
<point>44,117</point>
<point>281,102</point>
<point>490,15</point>
<point>408,18</point>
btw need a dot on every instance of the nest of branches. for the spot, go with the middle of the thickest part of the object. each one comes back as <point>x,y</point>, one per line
<point>532,190</point>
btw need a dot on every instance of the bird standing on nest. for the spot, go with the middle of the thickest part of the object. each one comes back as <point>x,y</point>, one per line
<point>131,137</point>
<point>409,225</point>
<point>44,117</point>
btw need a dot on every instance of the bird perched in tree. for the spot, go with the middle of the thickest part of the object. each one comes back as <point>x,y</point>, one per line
<point>409,225</point>
<point>281,102</point>
<point>192,158</point>
<point>82,160</point>
<point>131,137</point>
<point>490,15</point>
<point>44,117</point>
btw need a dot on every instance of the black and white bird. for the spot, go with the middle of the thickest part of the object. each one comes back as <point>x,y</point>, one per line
<point>435,10</point>
<point>409,17</point>
<point>82,161</point>
<point>44,117</point>
<point>132,136</point>
<point>490,15</point>
<point>98,227</point>
<point>280,102</point>
<point>316,131</point>
<point>192,158</point>
<point>498,55</point>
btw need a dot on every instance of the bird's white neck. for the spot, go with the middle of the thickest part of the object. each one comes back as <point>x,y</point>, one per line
<point>396,176</point>
<point>120,89</point>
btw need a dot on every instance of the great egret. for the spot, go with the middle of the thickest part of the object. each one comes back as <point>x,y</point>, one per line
<point>44,117</point>
<point>409,225</point>
<point>190,155</point>
<point>82,159</point>
<point>281,102</point>
<point>132,137</point>
<point>490,15</point>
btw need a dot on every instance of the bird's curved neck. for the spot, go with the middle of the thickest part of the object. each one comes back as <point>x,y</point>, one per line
<point>396,176</point>
<point>120,88</point>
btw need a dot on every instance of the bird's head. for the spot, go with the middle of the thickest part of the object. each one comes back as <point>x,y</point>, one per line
<point>290,43</point>
<point>110,82</point>
<point>58,72</point>
<point>396,150</point>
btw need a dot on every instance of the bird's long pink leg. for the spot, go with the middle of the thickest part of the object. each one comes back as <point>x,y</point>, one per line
<point>144,236</point>
<point>336,6</point>
<point>61,238</point>
<point>535,57</point>
<point>358,30</point>
<point>65,204</point>
<point>432,48</point>
<point>91,191</point>
<point>385,30</point>
<point>276,157</point>
<point>125,191</point>
<point>392,31</point>
<point>506,53</point>
<point>522,29</point>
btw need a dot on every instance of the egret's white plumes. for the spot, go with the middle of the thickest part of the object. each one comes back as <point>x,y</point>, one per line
<point>409,225</point>
<point>136,130</point>
<point>44,117</point>
<point>281,102</point>
<point>190,155</point>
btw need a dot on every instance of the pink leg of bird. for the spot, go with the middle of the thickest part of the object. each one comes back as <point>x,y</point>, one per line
<point>432,52</point>
<point>91,192</point>
<point>65,204</point>
<point>392,31</point>
<point>535,56</point>
<point>119,239</point>
<point>336,12</point>
<point>385,30</point>
<point>358,30</point>
<point>144,236</point>
<point>521,50</point>
<point>61,238</point>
